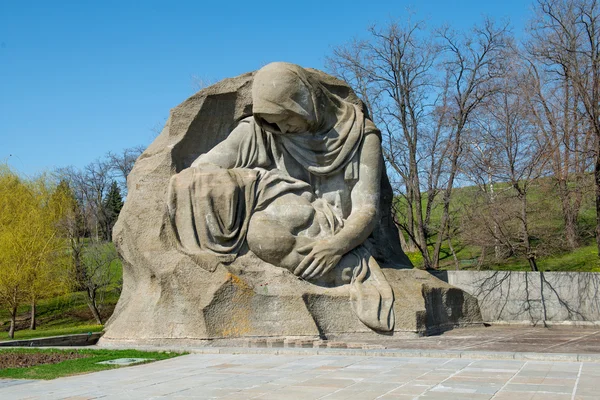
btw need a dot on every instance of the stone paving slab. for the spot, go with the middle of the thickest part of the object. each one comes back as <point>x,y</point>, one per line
<point>320,376</point>
<point>11,382</point>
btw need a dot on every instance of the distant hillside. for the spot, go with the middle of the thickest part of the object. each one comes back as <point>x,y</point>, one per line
<point>470,229</point>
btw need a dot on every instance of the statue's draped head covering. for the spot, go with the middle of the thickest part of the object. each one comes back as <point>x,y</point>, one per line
<point>329,130</point>
<point>288,90</point>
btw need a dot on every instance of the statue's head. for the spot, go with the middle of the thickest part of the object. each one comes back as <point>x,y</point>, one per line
<point>285,100</point>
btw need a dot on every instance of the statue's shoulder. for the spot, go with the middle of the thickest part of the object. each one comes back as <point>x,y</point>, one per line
<point>244,126</point>
<point>370,128</point>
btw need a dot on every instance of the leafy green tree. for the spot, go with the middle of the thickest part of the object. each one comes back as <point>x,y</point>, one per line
<point>13,201</point>
<point>32,251</point>
<point>47,268</point>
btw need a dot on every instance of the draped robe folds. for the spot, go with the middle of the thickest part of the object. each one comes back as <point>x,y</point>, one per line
<point>210,208</point>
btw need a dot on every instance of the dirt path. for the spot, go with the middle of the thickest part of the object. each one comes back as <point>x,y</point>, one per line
<point>18,360</point>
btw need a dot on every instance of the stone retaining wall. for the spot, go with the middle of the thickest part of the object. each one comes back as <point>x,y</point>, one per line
<point>80,339</point>
<point>531,297</point>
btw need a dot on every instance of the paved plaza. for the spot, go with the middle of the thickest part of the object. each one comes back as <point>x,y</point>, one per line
<point>498,362</point>
<point>333,377</point>
<point>510,338</point>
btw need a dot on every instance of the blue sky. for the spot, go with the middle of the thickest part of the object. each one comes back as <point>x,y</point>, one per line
<point>81,78</point>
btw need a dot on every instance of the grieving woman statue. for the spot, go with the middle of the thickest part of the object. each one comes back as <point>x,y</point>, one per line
<point>297,184</point>
<point>263,210</point>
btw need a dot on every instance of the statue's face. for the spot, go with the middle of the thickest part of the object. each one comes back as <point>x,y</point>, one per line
<point>283,123</point>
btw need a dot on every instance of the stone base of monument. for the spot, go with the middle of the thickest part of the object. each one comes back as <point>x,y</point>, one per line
<point>251,305</point>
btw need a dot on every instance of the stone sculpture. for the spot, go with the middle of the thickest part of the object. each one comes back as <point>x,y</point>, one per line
<point>263,209</point>
<point>299,182</point>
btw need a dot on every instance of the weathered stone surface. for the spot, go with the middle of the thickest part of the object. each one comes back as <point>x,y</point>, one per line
<point>532,297</point>
<point>168,294</point>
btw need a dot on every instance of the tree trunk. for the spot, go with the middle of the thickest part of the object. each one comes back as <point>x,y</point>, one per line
<point>532,263</point>
<point>569,213</point>
<point>492,198</point>
<point>571,229</point>
<point>456,263</point>
<point>32,325</point>
<point>92,305</point>
<point>13,322</point>
<point>408,245</point>
<point>95,312</point>
<point>597,182</point>
<point>410,220</point>
<point>525,231</point>
<point>481,258</point>
<point>447,197</point>
<point>404,243</point>
<point>420,234</point>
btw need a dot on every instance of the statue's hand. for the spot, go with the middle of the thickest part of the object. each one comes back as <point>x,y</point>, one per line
<point>321,259</point>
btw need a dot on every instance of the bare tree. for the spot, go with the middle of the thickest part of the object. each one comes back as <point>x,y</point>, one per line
<point>394,74</point>
<point>518,156</point>
<point>90,186</point>
<point>96,273</point>
<point>565,41</point>
<point>474,63</point>
<point>478,167</point>
<point>556,111</point>
<point>121,164</point>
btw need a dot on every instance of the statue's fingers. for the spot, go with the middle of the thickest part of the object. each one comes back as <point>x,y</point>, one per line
<point>303,265</point>
<point>308,272</point>
<point>318,271</point>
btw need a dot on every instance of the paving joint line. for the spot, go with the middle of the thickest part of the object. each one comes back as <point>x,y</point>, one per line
<point>414,379</point>
<point>484,342</point>
<point>511,378</point>
<point>577,381</point>
<point>454,374</point>
<point>572,340</point>
<point>493,340</point>
<point>355,383</point>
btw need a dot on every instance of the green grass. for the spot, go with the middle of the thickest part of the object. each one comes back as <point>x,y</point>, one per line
<point>582,259</point>
<point>76,366</point>
<point>68,313</point>
<point>51,331</point>
<point>61,315</point>
<point>546,231</point>
<point>64,315</point>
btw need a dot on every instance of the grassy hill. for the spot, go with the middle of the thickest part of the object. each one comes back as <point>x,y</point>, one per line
<point>61,315</point>
<point>546,231</point>
<point>69,313</point>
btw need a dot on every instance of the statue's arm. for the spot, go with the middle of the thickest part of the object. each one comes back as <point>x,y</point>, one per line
<point>325,255</point>
<point>223,155</point>
<point>365,198</point>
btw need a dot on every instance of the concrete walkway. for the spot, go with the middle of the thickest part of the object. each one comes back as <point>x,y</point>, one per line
<point>333,377</point>
<point>513,338</point>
